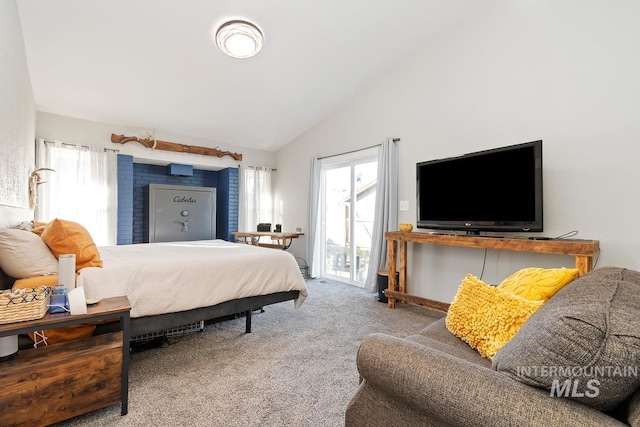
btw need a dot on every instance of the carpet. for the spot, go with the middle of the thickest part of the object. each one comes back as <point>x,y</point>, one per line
<point>296,368</point>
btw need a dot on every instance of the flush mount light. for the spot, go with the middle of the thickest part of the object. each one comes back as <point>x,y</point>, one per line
<point>239,39</point>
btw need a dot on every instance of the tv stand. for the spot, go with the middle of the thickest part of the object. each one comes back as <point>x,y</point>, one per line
<point>583,250</point>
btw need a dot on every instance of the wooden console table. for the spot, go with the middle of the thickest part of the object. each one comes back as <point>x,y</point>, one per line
<point>583,250</point>
<point>44,385</point>
<point>283,240</point>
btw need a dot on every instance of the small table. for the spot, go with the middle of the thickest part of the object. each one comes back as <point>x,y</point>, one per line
<point>44,385</point>
<point>283,239</point>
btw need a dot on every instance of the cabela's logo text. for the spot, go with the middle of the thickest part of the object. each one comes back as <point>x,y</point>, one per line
<point>183,199</point>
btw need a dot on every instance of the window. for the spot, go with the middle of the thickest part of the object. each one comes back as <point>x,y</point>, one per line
<point>257,197</point>
<point>82,188</point>
<point>348,208</point>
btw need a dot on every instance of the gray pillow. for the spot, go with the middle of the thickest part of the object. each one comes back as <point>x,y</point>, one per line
<point>584,343</point>
<point>24,254</point>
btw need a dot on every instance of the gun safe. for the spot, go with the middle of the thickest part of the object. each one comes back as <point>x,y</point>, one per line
<point>181,213</point>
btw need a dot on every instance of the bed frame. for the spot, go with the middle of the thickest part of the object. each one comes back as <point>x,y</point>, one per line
<point>149,324</point>
<point>158,323</point>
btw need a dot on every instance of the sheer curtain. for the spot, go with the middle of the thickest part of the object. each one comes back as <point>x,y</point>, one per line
<point>313,242</point>
<point>257,196</point>
<point>386,211</point>
<point>385,216</point>
<point>82,188</point>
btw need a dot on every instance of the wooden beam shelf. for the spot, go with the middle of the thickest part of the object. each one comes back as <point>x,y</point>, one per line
<point>173,146</point>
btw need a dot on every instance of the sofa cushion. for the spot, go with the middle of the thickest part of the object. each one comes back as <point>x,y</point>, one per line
<point>629,411</point>
<point>465,353</point>
<point>438,331</point>
<point>584,343</point>
<point>538,283</point>
<point>487,317</point>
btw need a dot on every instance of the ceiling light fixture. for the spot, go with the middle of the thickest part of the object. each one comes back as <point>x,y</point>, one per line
<point>239,39</point>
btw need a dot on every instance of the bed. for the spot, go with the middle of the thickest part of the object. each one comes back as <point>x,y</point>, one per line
<point>177,283</point>
<point>168,284</point>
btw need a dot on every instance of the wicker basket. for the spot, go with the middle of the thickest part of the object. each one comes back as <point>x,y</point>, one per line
<point>19,305</point>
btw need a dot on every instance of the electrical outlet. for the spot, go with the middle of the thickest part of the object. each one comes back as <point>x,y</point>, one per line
<point>404,205</point>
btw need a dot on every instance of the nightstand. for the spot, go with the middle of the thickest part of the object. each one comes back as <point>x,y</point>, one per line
<point>44,385</point>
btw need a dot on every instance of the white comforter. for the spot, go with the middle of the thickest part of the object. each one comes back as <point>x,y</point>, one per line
<point>163,278</point>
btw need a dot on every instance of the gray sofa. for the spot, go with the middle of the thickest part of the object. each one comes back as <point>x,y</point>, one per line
<point>435,379</point>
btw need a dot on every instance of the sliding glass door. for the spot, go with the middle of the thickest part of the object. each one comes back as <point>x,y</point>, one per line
<point>348,206</point>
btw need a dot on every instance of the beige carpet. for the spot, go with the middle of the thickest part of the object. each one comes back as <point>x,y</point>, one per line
<point>297,367</point>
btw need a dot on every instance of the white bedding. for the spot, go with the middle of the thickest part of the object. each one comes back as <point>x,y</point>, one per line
<point>163,278</point>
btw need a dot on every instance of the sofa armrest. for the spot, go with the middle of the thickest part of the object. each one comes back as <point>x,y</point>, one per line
<point>454,391</point>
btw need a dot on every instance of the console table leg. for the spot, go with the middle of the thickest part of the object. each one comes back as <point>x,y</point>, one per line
<point>584,264</point>
<point>392,285</point>
<point>403,267</point>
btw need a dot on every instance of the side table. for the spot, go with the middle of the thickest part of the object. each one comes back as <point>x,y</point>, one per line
<point>44,385</point>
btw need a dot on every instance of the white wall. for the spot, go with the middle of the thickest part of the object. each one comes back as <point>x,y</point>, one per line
<point>71,130</point>
<point>565,72</point>
<point>17,119</point>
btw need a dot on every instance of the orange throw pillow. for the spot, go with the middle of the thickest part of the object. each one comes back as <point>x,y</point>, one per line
<point>68,237</point>
<point>66,333</point>
<point>34,282</point>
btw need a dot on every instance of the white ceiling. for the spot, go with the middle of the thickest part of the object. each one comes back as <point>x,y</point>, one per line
<point>153,63</point>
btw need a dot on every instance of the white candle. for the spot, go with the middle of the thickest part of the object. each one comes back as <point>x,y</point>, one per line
<point>67,271</point>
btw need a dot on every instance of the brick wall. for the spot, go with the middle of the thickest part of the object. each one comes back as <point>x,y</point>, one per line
<point>228,199</point>
<point>125,200</point>
<point>133,197</point>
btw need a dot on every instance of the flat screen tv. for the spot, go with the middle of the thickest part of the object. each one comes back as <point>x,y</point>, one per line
<point>493,190</point>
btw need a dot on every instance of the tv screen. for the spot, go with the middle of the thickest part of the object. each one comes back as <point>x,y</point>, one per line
<point>491,190</point>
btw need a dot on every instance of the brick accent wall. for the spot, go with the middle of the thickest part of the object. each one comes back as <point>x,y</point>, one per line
<point>228,200</point>
<point>125,200</point>
<point>133,197</point>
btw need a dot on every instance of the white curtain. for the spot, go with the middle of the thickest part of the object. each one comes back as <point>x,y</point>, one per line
<point>386,211</point>
<point>314,256</point>
<point>257,196</point>
<point>82,188</point>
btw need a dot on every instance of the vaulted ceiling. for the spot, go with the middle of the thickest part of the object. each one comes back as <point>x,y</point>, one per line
<point>153,64</point>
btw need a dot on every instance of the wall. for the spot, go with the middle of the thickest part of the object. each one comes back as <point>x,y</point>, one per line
<point>228,197</point>
<point>68,129</point>
<point>564,72</point>
<point>17,120</point>
<point>133,197</point>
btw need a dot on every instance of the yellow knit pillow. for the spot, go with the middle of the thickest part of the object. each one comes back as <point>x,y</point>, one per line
<point>487,317</point>
<point>538,283</point>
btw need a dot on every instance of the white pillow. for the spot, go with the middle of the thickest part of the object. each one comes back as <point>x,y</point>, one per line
<point>24,254</point>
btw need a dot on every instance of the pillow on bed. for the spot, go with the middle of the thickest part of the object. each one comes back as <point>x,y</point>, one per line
<point>33,226</point>
<point>24,254</point>
<point>38,227</point>
<point>68,237</point>
<point>34,282</point>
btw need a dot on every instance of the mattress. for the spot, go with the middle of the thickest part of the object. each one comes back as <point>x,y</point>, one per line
<point>161,278</point>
